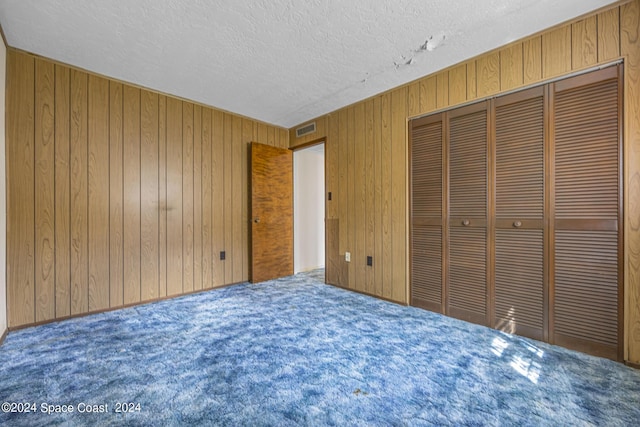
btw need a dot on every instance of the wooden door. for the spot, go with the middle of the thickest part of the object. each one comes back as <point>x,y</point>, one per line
<point>586,297</point>
<point>467,290</point>
<point>271,212</point>
<point>519,239</point>
<point>427,213</point>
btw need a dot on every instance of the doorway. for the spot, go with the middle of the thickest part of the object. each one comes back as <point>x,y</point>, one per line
<point>308,208</point>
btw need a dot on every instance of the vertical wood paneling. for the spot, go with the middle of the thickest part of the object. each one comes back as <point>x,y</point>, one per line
<point>207,206</point>
<point>556,52</point>
<point>428,94</point>
<point>20,189</point>
<point>351,196</point>
<point>79,199</point>
<point>263,133</point>
<point>217,196</point>
<point>162,195</point>
<point>98,193</point>
<point>247,137</point>
<point>398,193</point>
<point>488,74</point>
<point>174,196</point>
<point>629,46</point>
<point>62,191</point>
<point>149,220</point>
<point>116,195</point>
<point>511,67</point>
<point>187,196</point>
<point>131,171</point>
<point>378,160</point>
<point>360,194</point>
<point>387,141</point>
<point>331,168</point>
<point>532,59</point>
<point>236,188</point>
<point>228,193</point>
<point>609,35</point>
<point>472,80</point>
<point>370,193</point>
<point>197,197</point>
<point>44,190</point>
<point>584,43</point>
<point>413,99</point>
<point>342,178</point>
<point>458,84</point>
<point>442,91</point>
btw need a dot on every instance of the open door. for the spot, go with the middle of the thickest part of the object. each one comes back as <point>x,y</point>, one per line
<point>271,212</point>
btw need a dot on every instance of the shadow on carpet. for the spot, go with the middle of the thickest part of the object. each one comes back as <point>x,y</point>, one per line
<point>294,351</point>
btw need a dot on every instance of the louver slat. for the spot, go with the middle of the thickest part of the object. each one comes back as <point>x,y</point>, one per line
<point>467,297</point>
<point>426,214</point>
<point>519,252</point>
<point>586,255</point>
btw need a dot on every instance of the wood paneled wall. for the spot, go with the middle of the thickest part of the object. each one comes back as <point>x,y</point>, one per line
<point>118,195</point>
<point>370,212</point>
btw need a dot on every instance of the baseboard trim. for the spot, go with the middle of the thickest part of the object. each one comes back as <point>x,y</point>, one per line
<point>632,365</point>
<point>368,294</point>
<point>120,307</point>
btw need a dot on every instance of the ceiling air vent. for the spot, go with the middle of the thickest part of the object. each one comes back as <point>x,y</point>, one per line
<point>306,130</point>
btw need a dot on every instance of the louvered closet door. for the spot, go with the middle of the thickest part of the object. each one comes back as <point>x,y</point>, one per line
<point>586,297</point>
<point>519,211</point>
<point>426,212</point>
<point>467,290</point>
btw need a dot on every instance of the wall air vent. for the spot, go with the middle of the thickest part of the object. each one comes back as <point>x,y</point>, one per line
<point>306,130</point>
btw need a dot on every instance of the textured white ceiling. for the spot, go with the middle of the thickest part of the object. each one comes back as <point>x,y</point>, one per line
<point>279,61</point>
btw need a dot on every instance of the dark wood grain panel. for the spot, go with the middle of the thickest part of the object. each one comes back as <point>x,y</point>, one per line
<point>62,192</point>
<point>149,206</point>
<point>116,194</point>
<point>98,185</point>
<point>79,194</point>
<point>20,189</point>
<point>247,138</point>
<point>187,197</point>
<point>44,190</point>
<point>378,265</point>
<point>131,172</point>
<point>272,211</point>
<point>385,122</point>
<point>399,194</point>
<point>228,194</point>
<point>174,196</point>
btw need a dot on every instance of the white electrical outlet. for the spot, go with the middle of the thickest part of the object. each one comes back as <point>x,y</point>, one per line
<point>347,256</point>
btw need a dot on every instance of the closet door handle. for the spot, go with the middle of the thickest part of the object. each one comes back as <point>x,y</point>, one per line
<point>517,224</point>
<point>465,222</point>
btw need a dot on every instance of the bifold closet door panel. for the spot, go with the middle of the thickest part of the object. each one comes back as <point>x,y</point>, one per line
<point>467,275</point>
<point>519,284</point>
<point>586,297</point>
<point>427,220</point>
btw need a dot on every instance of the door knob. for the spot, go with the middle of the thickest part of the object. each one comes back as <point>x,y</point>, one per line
<point>256,220</point>
<point>466,222</point>
<point>517,224</point>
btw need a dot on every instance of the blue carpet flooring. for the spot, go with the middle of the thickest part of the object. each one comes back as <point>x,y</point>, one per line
<point>294,351</point>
